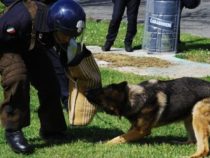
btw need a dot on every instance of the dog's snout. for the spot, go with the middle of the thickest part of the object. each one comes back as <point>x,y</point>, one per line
<point>86,92</point>
<point>89,94</point>
<point>93,95</point>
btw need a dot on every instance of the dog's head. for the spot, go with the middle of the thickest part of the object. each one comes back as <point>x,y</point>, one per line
<point>110,98</point>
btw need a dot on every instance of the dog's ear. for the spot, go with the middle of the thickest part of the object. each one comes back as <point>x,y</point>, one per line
<point>122,85</point>
<point>86,50</point>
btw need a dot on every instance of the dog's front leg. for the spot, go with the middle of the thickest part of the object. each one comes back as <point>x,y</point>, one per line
<point>131,135</point>
<point>190,131</point>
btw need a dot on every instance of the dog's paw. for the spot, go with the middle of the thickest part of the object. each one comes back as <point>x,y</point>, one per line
<point>113,142</point>
<point>184,156</point>
<point>109,142</point>
<point>199,155</point>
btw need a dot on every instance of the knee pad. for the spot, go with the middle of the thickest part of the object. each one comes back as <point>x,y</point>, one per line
<point>14,69</point>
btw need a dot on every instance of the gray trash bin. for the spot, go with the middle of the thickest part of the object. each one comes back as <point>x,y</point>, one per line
<point>161,26</point>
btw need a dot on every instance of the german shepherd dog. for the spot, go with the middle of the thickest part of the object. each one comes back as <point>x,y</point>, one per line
<point>155,103</point>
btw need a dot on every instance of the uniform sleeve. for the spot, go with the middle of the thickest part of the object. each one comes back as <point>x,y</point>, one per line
<point>15,29</point>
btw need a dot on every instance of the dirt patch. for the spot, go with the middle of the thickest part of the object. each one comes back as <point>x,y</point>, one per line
<point>120,60</point>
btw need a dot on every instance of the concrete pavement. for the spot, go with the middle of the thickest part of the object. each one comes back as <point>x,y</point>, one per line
<point>178,67</point>
<point>197,21</point>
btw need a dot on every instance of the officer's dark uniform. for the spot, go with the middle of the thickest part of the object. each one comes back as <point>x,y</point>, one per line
<point>20,66</point>
<point>59,67</point>
<point>190,4</point>
<point>61,76</point>
<point>118,11</point>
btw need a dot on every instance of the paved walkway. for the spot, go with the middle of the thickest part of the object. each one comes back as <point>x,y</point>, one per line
<point>194,21</point>
<point>179,67</point>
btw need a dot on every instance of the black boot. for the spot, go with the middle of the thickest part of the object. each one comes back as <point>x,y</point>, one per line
<point>18,142</point>
<point>107,46</point>
<point>128,47</point>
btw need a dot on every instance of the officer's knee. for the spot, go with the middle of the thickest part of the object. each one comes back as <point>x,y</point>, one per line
<point>14,70</point>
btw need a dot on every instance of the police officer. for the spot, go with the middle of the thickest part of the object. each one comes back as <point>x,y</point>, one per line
<point>25,38</point>
<point>61,76</point>
<point>54,56</point>
<point>190,4</point>
<point>118,11</point>
<point>59,68</point>
<point>67,21</point>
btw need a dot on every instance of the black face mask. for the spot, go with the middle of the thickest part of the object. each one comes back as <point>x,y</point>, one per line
<point>63,47</point>
<point>45,39</point>
<point>61,50</point>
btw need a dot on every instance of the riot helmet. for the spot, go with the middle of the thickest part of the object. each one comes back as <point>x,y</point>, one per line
<point>68,17</point>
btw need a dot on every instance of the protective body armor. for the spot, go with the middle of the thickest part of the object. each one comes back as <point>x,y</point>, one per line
<point>22,46</point>
<point>22,35</point>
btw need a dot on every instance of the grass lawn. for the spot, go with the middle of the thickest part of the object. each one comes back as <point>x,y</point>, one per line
<point>88,141</point>
<point>195,48</point>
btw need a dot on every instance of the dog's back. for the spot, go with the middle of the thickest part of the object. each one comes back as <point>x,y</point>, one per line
<point>199,87</point>
<point>194,86</point>
<point>154,103</point>
<point>182,94</point>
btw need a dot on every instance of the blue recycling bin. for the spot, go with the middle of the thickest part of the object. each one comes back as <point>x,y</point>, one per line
<point>161,26</point>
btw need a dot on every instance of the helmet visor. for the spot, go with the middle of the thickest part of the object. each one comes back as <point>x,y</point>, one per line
<point>62,37</point>
<point>74,48</point>
<point>71,45</point>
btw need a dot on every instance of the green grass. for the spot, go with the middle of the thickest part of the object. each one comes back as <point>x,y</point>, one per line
<point>1,7</point>
<point>195,48</point>
<point>95,34</point>
<point>87,141</point>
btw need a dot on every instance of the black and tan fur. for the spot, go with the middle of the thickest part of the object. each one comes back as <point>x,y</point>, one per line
<point>155,103</point>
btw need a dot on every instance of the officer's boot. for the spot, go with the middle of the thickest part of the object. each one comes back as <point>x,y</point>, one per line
<point>107,46</point>
<point>128,47</point>
<point>18,142</point>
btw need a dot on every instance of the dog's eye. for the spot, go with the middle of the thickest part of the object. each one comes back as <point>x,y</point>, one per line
<point>111,108</point>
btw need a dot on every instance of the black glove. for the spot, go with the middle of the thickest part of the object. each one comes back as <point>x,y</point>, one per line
<point>191,4</point>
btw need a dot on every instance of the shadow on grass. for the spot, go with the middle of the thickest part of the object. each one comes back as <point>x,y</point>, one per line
<point>137,47</point>
<point>194,45</point>
<point>95,134</point>
<point>91,134</point>
<point>173,140</point>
